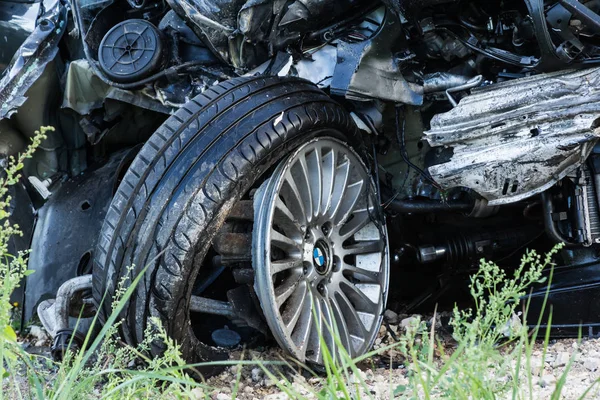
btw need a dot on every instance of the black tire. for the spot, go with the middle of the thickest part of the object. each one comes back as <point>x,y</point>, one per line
<point>178,190</point>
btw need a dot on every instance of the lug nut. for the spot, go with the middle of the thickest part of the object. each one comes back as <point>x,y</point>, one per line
<point>326,229</point>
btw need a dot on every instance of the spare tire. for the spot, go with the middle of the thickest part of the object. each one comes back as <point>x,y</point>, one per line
<point>181,186</point>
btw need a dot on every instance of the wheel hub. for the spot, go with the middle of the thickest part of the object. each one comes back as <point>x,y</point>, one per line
<point>321,257</point>
<point>320,252</point>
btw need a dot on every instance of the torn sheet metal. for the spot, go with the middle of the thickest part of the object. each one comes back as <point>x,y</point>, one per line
<point>518,138</point>
<point>371,69</point>
<point>442,81</point>
<point>32,57</point>
<point>317,67</point>
<point>17,23</point>
<point>85,92</point>
<point>214,21</point>
<point>245,33</point>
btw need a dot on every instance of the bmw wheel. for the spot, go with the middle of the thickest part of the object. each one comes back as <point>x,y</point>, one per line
<point>320,252</point>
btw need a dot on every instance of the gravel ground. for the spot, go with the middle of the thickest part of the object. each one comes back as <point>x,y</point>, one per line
<point>383,374</point>
<point>382,377</point>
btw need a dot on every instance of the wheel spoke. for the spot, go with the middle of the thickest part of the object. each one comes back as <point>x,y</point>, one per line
<point>283,242</point>
<point>352,195</point>
<point>354,322</point>
<point>364,275</point>
<point>287,287</point>
<point>361,299</point>
<point>314,352</point>
<point>342,172</point>
<point>294,306</point>
<point>286,220</point>
<point>302,330</point>
<point>291,194</point>
<point>371,246</point>
<point>328,170</point>
<point>329,326</point>
<point>360,219</point>
<point>284,265</point>
<point>315,175</point>
<point>343,331</point>
<point>307,198</point>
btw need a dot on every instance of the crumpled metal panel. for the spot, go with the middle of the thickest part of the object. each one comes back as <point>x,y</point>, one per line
<point>318,67</point>
<point>518,138</point>
<point>213,20</point>
<point>85,92</point>
<point>245,33</point>
<point>32,57</point>
<point>369,69</point>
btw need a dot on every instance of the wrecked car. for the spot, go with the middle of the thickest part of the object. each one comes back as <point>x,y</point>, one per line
<point>276,168</point>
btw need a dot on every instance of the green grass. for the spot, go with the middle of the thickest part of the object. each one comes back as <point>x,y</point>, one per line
<point>488,361</point>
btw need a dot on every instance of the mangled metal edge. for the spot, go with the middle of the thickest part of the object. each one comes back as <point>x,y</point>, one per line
<point>517,139</point>
<point>31,59</point>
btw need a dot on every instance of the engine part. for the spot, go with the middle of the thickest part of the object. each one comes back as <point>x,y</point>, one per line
<point>319,251</point>
<point>582,215</point>
<point>550,221</point>
<point>518,138</point>
<point>226,338</point>
<point>447,48</point>
<point>571,298</point>
<point>441,81</point>
<point>470,84</point>
<point>210,306</point>
<point>481,209</point>
<point>54,314</point>
<point>464,246</point>
<point>429,206</point>
<point>559,19</point>
<point>590,18</point>
<point>131,50</point>
<point>586,208</point>
<point>65,340</point>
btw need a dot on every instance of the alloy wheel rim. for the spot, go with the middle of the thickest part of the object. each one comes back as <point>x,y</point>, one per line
<point>320,252</point>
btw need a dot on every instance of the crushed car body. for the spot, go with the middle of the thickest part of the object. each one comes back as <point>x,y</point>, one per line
<point>272,168</point>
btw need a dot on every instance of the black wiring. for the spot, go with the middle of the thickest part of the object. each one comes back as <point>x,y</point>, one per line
<point>487,53</point>
<point>400,132</point>
<point>379,218</point>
